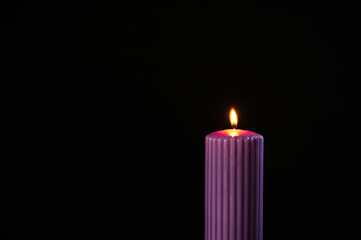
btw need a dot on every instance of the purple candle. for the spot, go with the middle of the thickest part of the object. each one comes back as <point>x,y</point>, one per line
<point>233,184</point>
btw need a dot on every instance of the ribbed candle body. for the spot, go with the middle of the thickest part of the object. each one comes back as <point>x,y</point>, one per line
<point>234,186</point>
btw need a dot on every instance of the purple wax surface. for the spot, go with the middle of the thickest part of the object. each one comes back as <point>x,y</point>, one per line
<point>239,133</point>
<point>233,185</point>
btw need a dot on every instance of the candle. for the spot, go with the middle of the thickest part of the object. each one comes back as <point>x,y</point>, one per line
<point>233,184</point>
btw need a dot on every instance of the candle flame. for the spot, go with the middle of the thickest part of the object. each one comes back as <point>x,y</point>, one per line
<point>233,118</point>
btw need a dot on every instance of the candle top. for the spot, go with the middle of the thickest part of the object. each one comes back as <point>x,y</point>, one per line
<point>234,133</point>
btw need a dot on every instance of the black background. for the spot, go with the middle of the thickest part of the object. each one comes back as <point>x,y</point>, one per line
<point>106,107</point>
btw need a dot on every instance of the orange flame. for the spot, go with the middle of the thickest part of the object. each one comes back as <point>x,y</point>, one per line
<point>233,118</point>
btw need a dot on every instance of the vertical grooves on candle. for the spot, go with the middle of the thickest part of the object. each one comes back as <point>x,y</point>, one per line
<point>253,186</point>
<point>256,148</point>
<point>225,189</point>
<point>237,191</point>
<point>229,188</point>
<point>214,177</point>
<point>219,189</point>
<point>246,189</point>
<point>239,188</point>
<point>232,189</point>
